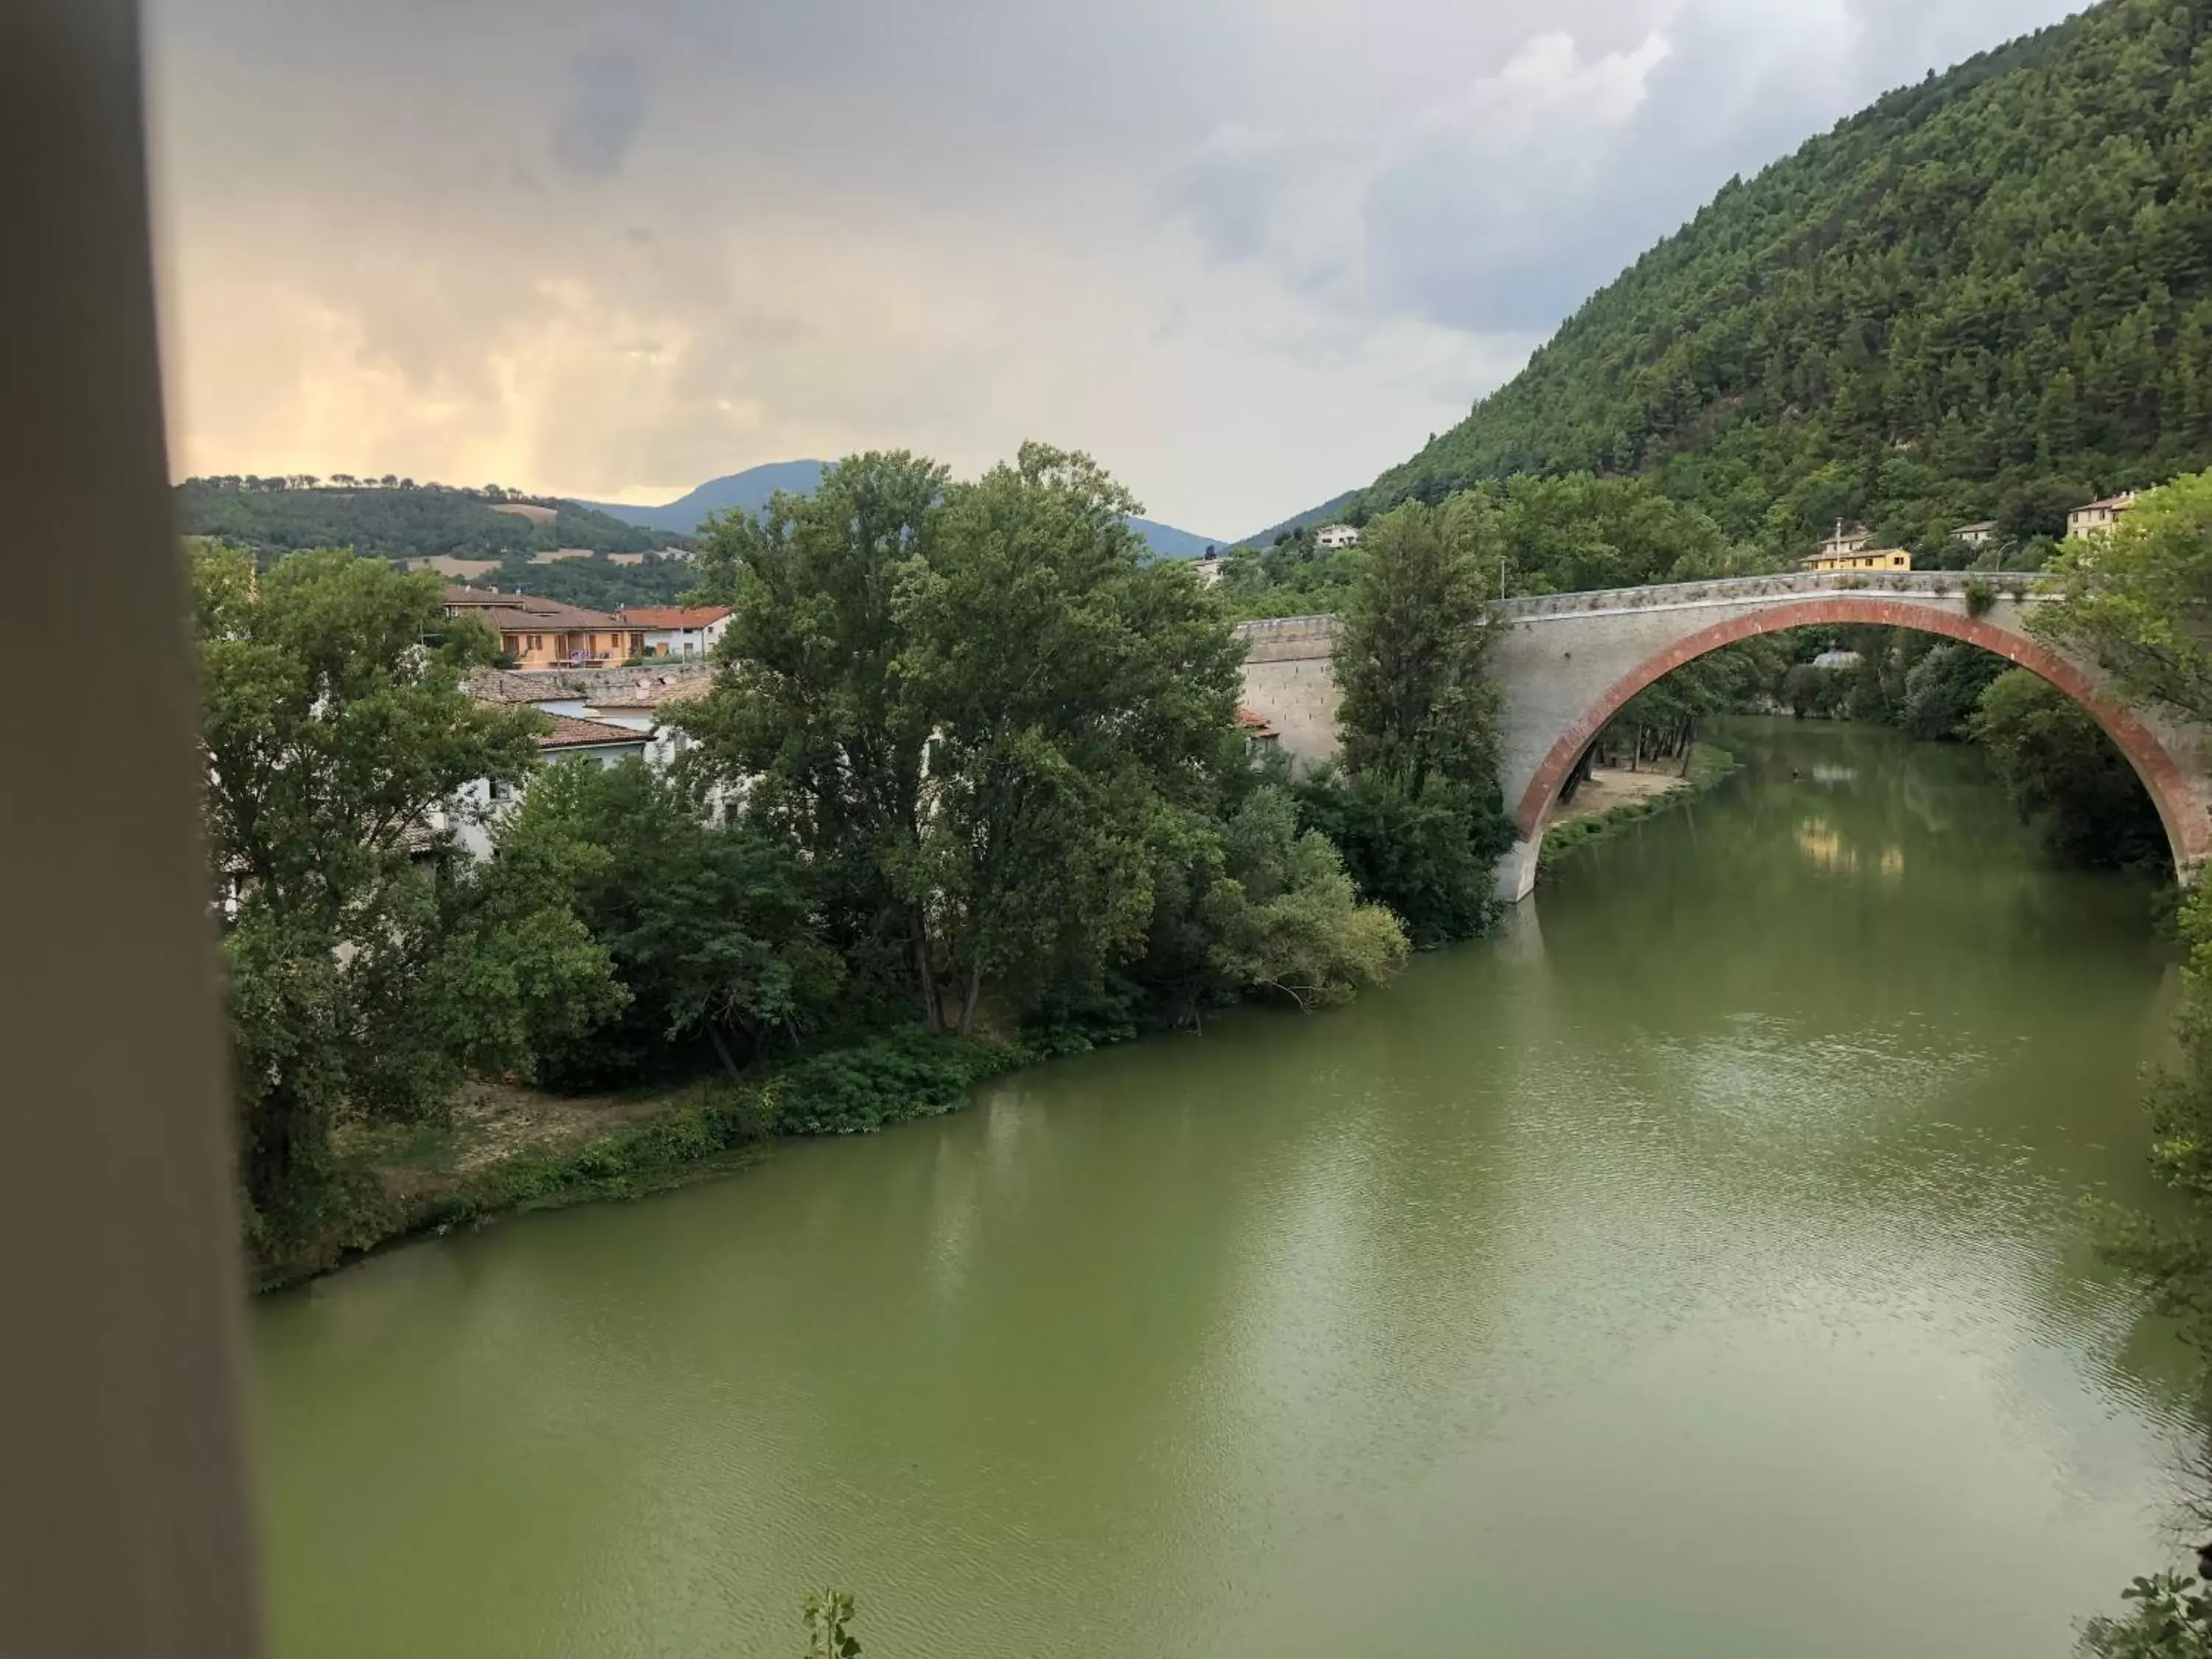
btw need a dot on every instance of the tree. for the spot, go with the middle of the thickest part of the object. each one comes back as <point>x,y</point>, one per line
<point>809,709</point>
<point>364,972</point>
<point>1078,693</point>
<point>705,925</point>
<point>1258,904</point>
<point>1943,688</point>
<point>2170,1618</point>
<point>1416,809</point>
<point>2132,599</point>
<point>2064,775</point>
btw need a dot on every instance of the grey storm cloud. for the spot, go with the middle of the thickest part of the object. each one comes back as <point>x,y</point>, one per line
<point>601,109</point>
<point>1229,188</point>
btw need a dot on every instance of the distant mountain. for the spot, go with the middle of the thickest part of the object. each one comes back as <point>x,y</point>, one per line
<point>749,490</point>
<point>1325,513</point>
<point>1169,542</point>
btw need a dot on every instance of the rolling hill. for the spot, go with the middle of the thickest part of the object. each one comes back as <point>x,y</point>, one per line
<point>398,521</point>
<point>1989,295</point>
<point>749,490</point>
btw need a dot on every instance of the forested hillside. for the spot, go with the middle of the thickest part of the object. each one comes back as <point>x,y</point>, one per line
<point>397,519</point>
<point>1987,296</point>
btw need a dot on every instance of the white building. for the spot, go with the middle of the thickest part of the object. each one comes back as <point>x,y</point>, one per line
<point>1849,541</point>
<point>1976,535</point>
<point>676,630</point>
<point>480,806</point>
<point>2099,516</point>
<point>1330,536</point>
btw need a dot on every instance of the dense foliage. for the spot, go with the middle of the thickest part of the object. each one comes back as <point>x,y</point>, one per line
<point>706,922</point>
<point>1987,296</point>
<point>1415,805</point>
<point>597,583</point>
<point>361,982</point>
<point>394,519</point>
<point>1531,535</point>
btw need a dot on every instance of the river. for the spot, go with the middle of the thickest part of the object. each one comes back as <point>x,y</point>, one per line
<point>1697,1268</point>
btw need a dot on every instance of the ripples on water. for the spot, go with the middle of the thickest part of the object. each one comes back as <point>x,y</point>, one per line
<point>1696,1269</point>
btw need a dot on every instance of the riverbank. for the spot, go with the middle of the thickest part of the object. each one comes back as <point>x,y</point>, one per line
<point>505,1150</point>
<point>1614,798</point>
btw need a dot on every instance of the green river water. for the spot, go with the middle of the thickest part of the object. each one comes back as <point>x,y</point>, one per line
<point>1697,1268</point>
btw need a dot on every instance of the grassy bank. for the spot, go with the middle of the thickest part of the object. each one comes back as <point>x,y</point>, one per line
<point>1708,766</point>
<point>510,1151</point>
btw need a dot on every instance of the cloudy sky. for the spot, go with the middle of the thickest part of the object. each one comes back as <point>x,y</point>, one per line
<point>1247,252</point>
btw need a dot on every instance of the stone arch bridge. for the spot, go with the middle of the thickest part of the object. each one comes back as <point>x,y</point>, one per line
<point>1568,662</point>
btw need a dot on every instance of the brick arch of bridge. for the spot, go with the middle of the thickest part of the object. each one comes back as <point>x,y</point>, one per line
<point>2186,831</point>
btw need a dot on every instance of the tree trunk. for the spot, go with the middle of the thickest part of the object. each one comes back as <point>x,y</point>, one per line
<point>1689,745</point>
<point>714,1035</point>
<point>933,1012</point>
<point>967,1006</point>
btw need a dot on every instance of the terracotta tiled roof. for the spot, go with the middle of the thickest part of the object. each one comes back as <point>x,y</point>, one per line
<point>673,616</point>
<point>1256,725</point>
<point>528,613</point>
<point>569,733</point>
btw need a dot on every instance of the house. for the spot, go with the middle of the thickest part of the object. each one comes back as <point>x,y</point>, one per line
<point>538,633</point>
<point>1851,547</point>
<point>481,804</point>
<point>2099,516</point>
<point>1330,536</point>
<point>1847,540</point>
<point>1832,557</point>
<point>1975,535</point>
<point>675,630</point>
<point>1256,729</point>
<point>1839,661</point>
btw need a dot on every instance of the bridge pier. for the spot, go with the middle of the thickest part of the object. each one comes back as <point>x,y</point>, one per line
<point>1568,663</point>
<point>1516,871</point>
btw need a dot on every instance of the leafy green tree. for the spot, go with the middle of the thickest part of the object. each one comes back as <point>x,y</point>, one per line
<point>706,925</point>
<point>1943,691</point>
<point>1416,809</point>
<point>1256,903</point>
<point>2170,1618</point>
<point>1078,694</point>
<point>2132,599</point>
<point>810,712</point>
<point>361,982</point>
<point>2065,776</point>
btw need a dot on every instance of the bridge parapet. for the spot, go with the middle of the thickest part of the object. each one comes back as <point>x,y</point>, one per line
<point>1789,585</point>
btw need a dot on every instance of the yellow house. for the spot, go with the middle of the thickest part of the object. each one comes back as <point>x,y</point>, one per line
<point>1860,558</point>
